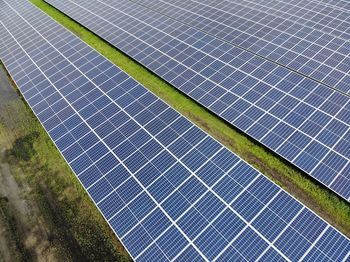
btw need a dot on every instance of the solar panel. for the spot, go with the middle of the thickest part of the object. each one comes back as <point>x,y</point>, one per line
<point>168,190</point>
<point>304,121</point>
<point>311,38</point>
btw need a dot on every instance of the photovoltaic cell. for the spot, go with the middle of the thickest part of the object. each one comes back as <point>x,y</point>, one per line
<point>341,4</point>
<point>304,121</point>
<point>36,51</point>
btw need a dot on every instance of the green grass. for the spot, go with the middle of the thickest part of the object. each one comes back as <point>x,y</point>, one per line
<point>327,204</point>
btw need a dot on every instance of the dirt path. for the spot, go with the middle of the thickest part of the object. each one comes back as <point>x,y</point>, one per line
<point>8,247</point>
<point>23,233</point>
<point>27,222</point>
<point>5,245</point>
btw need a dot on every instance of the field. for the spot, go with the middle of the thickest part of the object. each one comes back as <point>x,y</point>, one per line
<point>45,180</point>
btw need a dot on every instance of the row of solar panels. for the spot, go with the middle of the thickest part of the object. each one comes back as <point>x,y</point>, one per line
<point>307,37</point>
<point>303,120</point>
<point>168,190</point>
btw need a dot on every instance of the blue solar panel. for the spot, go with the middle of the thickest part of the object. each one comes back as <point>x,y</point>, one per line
<point>152,224</point>
<point>341,5</point>
<point>287,112</point>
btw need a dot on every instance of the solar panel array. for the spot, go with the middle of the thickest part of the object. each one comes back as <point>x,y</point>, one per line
<point>168,190</point>
<point>308,37</point>
<point>302,120</point>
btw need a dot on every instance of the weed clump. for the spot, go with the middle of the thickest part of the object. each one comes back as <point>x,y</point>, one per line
<point>23,147</point>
